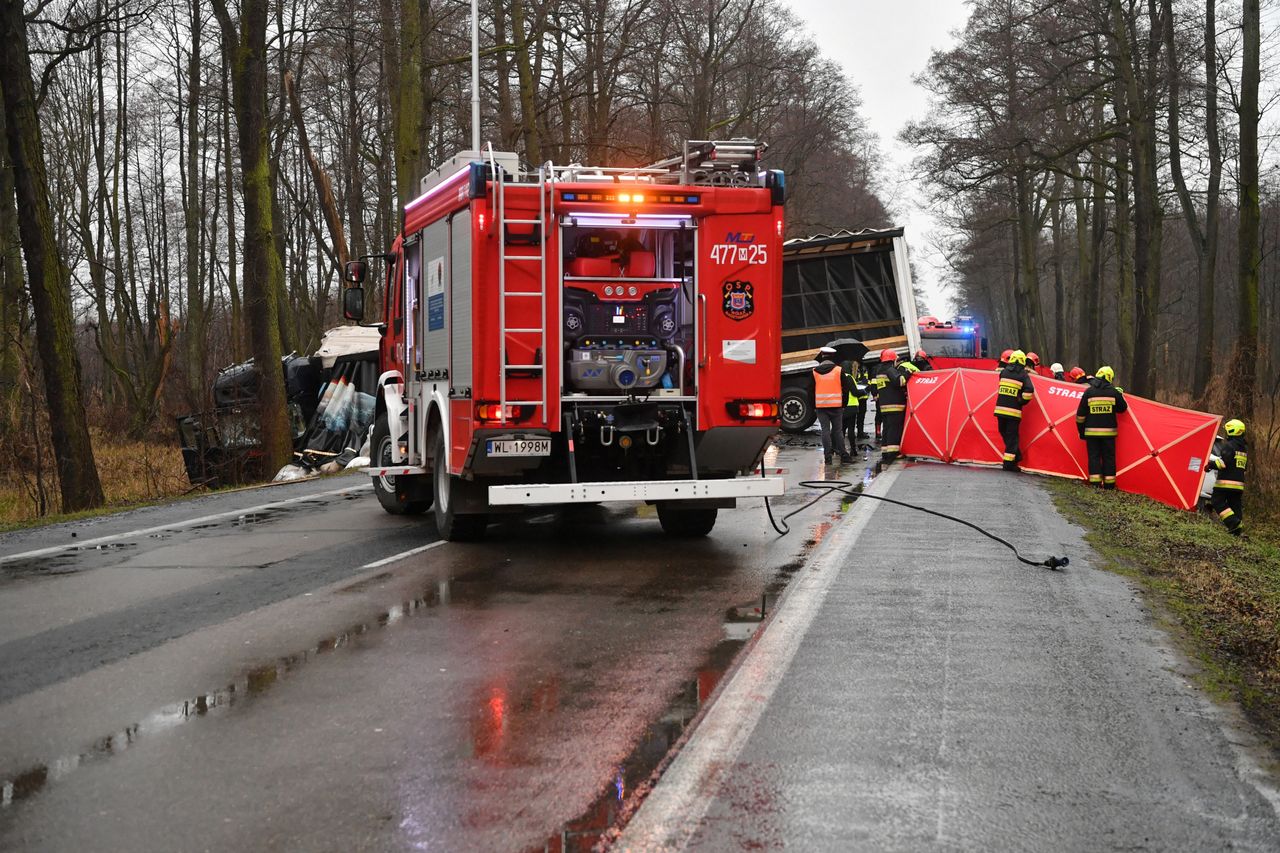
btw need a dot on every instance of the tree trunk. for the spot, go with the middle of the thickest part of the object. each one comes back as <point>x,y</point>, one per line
<point>524,72</point>
<point>1030,316</point>
<point>1203,240</point>
<point>1059,284</point>
<point>244,49</point>
<point>47,276</point>
<point>12,283</point>
<point>196,348</point>
<point>1243,375</point>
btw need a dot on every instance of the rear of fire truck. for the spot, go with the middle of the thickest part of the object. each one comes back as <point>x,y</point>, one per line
<point>581,335</point>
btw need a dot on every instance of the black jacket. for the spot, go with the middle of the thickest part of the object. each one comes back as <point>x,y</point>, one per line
<point>1015,391</point>
<point>1099,406</point>
<point>1233,458</point>
<point>890,383</point>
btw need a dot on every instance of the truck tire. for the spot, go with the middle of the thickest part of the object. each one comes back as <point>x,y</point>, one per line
<point>689,522</point>
<point>396,498</point>
<point>452,526</point>
<point>796,408</point>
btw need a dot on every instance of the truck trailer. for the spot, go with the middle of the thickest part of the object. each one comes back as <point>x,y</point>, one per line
<point>580,334</point>
<point>850,284</point>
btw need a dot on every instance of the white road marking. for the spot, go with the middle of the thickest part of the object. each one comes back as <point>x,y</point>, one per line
<point>673,811</point>
<point>178,525</point>
<point>377,564</point>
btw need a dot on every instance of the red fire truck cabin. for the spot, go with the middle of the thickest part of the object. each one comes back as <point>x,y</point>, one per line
<point>581,335</point>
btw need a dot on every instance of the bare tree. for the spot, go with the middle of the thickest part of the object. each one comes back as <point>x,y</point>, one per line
<point>47,277</point>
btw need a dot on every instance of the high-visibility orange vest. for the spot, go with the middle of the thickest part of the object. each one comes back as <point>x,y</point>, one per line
<point>828,393</point>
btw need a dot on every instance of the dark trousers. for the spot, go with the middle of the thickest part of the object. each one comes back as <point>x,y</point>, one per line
<point>862,415</point>
<point>1010,432</point>
<point>831,422</point>
<point>1102,459</point>
<point>1229,505</point>
<point>891,435</point>
<point>852,421</point>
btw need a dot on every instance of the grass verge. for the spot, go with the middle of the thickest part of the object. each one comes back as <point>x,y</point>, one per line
<point>1223,592</point>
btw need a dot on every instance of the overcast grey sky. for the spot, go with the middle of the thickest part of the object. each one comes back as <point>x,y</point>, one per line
<point>881,45</point>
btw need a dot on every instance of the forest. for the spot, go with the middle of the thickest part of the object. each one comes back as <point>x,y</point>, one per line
<point>1108,186</point>
<point>182,180</point>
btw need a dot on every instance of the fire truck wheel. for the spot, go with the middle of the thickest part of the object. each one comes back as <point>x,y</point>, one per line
<point>402,500</point>
<point>686,521</point>
<point>797,409</point>
<point>452,526</point>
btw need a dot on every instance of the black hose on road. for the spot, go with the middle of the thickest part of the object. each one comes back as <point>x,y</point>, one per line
<point>826,487</point>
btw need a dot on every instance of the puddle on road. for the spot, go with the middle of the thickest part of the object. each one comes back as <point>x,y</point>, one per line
<point>63,563</point>
<point>603,820</point>
<point>253,683</point>
<point>601,823</point>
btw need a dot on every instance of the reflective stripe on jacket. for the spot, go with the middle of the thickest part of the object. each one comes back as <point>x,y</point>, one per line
<point>828,390</point>
<point>1099,406</point>
<point>1014,392</point>
<point>1233,459</point>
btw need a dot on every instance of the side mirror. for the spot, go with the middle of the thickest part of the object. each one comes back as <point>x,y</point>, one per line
<point>355,272</point>
<point>353,302</point>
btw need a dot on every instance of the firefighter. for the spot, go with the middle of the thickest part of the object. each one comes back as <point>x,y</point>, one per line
<point>1014,392</point>
<point>1033,363</point>
<point>1059,372</point>
<point>1097,425</point>
<point>891,405</point>
<point>863,383</point>
<point>1004,359</point>
<point>852,408</point>
<point>1077,375</point>
<point>1230,458</point>
<point>878,379</point>
<point>921,361</point>
<point>830,389</point>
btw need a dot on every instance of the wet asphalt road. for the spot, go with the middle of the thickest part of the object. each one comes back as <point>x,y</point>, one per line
<point>259,680</point>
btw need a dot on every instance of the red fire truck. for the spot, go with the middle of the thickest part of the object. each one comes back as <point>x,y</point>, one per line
<point>580,335</point>
<point>947,339</point>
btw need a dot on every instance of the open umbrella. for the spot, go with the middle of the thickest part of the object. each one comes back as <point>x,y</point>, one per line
<point>847,349</point>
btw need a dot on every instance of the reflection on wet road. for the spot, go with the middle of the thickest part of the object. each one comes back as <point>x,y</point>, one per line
<point>517,694</point>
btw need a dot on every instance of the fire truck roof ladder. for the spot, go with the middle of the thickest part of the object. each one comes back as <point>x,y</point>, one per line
<point>539,232</point>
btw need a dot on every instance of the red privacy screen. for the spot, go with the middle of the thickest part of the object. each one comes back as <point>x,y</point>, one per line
<point>1160,452</point>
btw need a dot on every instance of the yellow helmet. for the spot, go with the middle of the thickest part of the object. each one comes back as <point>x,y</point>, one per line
<point>1233,427</point>
<point>1017,357</point>
<point>1105,372</point>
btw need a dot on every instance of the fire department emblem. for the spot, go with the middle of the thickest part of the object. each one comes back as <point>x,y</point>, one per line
<point>739,300</point>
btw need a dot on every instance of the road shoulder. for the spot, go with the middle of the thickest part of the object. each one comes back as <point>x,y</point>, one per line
<point>945,696</point>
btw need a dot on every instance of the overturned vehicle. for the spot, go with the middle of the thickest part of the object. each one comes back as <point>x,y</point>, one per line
<point>330,400</point>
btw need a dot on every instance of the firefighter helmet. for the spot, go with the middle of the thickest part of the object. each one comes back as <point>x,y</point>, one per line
<point>1017,357</point>
<point>921,354</point>
<point>1004,356</point>
<point>1233,427</point>
<point>1105,373</point>
<point>1057,367</point>
<point>1032,358</point>
<point>1077,372</point>
<point>888,355</point>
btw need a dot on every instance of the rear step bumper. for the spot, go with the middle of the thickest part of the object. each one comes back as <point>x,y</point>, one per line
<point>536,494</point>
